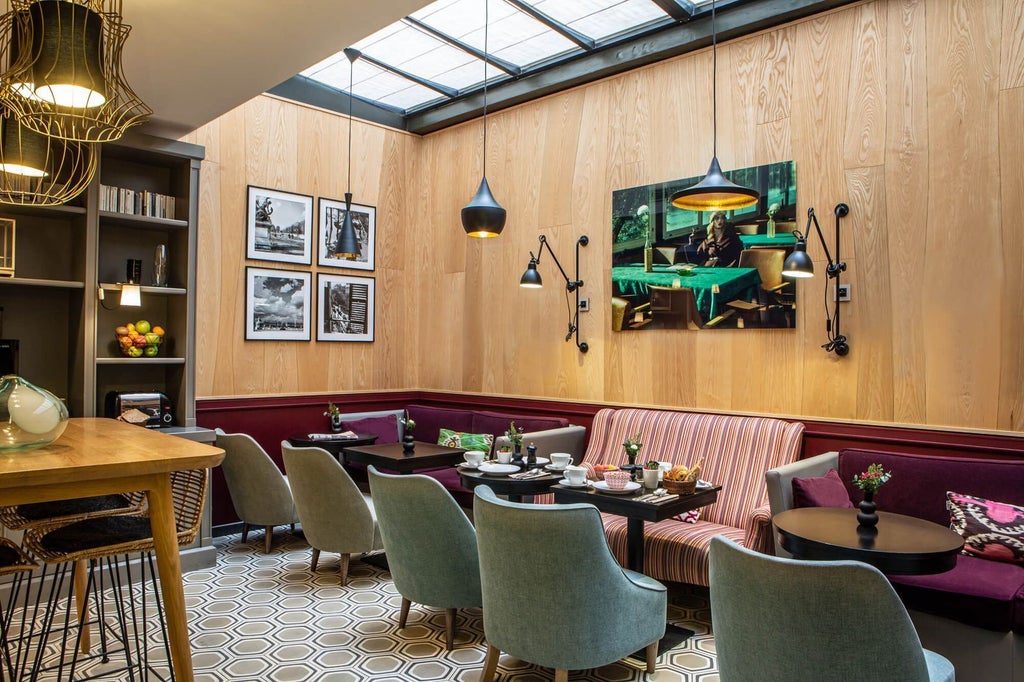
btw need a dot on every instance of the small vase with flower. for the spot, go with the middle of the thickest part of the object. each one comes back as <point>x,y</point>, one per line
<point>870,481</point>
<point>334,414</point>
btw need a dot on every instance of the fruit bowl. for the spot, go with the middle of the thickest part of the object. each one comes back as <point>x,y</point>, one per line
<point>139,339</point>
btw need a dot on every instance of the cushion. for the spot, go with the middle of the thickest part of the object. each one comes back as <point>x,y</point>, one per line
<point>692,516</point>
<point>821,491</point>
<point>469,441</point>
<point>385,428</point>
<point>991,530</point>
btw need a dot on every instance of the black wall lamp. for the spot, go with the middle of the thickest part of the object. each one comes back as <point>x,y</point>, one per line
<point>531,280</point>
<point>799,265</point>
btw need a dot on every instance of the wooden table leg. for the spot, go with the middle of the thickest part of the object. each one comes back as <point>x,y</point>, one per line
<point>165,540</point>
<point>635,544</point>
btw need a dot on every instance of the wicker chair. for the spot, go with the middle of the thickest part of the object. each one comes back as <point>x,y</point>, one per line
<point>13,562</point>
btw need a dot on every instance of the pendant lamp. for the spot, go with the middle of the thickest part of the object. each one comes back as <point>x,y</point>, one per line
<point>715,192</point>
<point>483,216</point>
<point>67,54</point>
<point>347,245</point>
<point>36,170</point>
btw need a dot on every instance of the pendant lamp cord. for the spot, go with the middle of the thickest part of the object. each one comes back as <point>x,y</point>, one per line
<point>714,84</point>
<point>487,14</point>
<point>351,65</point>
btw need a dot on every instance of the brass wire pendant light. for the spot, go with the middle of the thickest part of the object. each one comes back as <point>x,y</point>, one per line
<point>483,216</point>
<point>64,76</point>
<point>715,192</point>
<point>36,170</point>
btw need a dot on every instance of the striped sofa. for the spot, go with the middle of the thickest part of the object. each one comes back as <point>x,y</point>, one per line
<point>736,453</point>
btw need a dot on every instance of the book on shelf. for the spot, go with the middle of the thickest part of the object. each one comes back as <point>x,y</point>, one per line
<point>136,202</point>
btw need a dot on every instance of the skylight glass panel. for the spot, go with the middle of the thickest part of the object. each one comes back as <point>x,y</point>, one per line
<point>408,48</point>
<point>371,83</point>
<point>601,19</point>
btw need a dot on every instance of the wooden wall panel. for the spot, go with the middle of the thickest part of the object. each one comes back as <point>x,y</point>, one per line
<point>905,109</point>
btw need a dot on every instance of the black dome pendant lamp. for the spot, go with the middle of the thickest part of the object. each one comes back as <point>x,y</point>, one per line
<point>483,216</point>
<point>347,246</point>
<point>715,192</point>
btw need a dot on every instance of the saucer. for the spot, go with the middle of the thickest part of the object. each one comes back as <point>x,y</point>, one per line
<point>498,469</point>
<point>552,467</point>
<point>468,465</point>
<point>565,482</point>
<point>602,487</point>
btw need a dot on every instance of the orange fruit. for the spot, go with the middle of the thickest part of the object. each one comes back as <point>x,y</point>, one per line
<point>158,330</point>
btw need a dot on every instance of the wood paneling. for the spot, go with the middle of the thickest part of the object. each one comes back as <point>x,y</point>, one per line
<point>906,109</point>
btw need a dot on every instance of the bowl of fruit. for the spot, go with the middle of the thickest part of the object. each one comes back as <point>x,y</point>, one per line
<point>140,339</point>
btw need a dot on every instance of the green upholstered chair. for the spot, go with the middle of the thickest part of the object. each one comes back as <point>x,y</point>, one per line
<point>783,619</point>
<point>430,543</point>
<point>540,607</point>
<point>259,491</point>
<point>335,515</point>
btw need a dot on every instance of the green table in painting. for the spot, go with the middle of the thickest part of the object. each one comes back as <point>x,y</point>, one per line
<point>781,240</point>
<point>732,283</point>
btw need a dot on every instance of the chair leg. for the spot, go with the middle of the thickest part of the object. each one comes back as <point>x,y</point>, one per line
<point>561,676</point>
<point>449,629</point>
<point>403,615</point>
<point>268,535</point>
<point>490,663</point>
<point>652,657</point>
<point>344,569</point>
<point>316,558</point>
<point>81,582</point>
<point>245,532</point>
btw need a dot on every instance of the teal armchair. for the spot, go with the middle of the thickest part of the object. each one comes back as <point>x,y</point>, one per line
<point>430,544</point>
<point>335,515</point>
<point>819,621</point>
<point>536,605</point>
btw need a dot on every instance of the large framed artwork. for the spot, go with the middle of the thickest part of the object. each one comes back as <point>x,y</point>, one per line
<point>345,308</point>
<point>679,269</point>
<point>277,305</point>
<point>279,226</point>
<point>364,220</point>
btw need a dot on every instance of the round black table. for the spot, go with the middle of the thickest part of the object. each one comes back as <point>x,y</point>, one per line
<point>898,545</point>
<point>514,488</point>
<point>333,445</point>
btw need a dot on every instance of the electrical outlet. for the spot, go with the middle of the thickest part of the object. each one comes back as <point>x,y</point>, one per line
<point>843,293</point>
<point>584,305</point>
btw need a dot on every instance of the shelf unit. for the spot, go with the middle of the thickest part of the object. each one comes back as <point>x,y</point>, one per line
<point>66,256</point>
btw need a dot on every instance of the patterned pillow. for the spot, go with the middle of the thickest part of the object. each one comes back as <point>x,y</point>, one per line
<point>692,516</point>
<point>991,530</point>
<point>469,441</point>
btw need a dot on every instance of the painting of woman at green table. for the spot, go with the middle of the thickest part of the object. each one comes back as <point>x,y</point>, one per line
<point>680,269</point>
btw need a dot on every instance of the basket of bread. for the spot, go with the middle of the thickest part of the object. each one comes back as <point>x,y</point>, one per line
<point>681,479</point>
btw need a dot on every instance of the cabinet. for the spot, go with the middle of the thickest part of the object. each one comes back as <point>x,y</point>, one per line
<point>63,303</point>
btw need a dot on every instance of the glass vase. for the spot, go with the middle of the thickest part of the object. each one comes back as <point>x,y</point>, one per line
<point>30,417</point>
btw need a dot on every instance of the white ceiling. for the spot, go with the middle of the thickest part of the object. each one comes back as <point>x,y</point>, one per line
<point>193,60</point>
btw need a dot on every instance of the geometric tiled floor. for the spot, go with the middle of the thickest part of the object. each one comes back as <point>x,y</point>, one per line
<point>259,617</point>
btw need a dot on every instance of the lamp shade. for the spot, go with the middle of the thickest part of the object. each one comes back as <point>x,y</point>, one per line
<point>36,170</point>
<point>22,151</point>
<point>531,278</point>
<point>483,216</point>
<point>715,193</point>
<point>131,295</point>
<point>798,264</point>
<point>347,245</point>
<point>67,41</point>
<point>20,59</point>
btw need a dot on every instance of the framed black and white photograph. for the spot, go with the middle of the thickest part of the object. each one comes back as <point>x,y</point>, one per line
<point>364,221</point>
<point>345,306</point>
<point>279,226</point>
<point>277,305</point>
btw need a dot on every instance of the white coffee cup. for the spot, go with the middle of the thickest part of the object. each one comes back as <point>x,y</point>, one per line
<point>474,457</point>
<point>575,475</point>
<point>651,477</point>
<point>504,456</point>
<point>560,460</point>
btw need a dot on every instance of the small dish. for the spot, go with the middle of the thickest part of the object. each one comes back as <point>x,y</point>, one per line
<point>467,465</point>
<point>498,469</point>
<point>552,467</point>
<point>565,482</point>
<point>602,487</point>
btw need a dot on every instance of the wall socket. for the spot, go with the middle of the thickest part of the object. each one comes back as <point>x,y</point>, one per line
<point>584,305</point>
<point>843,293</point>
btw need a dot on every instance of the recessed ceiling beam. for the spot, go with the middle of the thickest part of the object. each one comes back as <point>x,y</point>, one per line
<point>584,41</point>
<point>436,87</point>
<point>304,89</point>
<point>680,10</point>
<point>506,66</point>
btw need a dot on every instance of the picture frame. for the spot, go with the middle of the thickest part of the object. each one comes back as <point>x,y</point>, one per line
<point>277,305</point>
<point>279,226</point>
<point>345,308</point>
<point>364,219</point>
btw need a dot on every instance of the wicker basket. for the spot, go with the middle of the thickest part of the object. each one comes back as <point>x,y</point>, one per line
<point>680,487</point>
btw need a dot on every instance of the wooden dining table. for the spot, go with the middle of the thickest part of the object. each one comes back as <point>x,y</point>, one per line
<point>97,456</point>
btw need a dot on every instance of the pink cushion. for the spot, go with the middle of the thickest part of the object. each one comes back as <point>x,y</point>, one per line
<point>821,491</point>
<point>991,530</point>
<point>384,427</point>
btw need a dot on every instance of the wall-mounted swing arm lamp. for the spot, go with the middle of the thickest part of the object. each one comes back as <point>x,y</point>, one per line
<point>798,265</point>
<point>531,279</point>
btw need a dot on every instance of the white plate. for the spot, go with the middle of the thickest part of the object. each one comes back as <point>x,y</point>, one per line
<point>565,482</point>
<point>552,467</point>
<point>602,487</point>
<point>498,469</point>
<point>541,460</point>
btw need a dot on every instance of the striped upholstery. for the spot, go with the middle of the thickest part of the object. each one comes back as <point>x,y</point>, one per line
<point>736,453</point>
